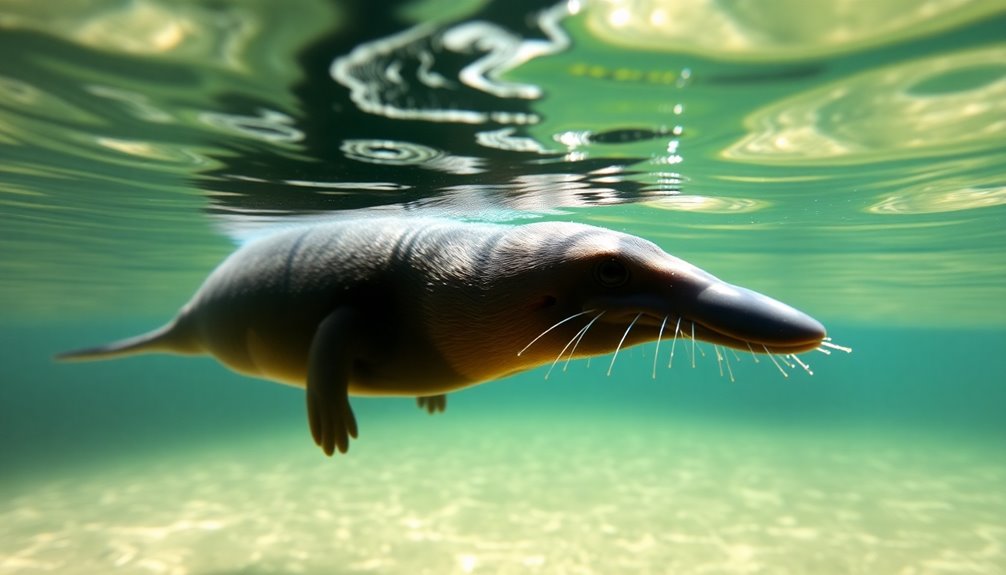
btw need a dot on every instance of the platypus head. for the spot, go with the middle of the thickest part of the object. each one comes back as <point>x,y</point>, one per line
<point>569,290</point>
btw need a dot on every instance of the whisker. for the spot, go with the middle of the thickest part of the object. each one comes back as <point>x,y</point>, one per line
<point>730,370</point>
<point>575,338</point>
<point>786,361</point>
<point>827,343</point>
<point>656,349</point>
<point>822,350</point>
<point>579,337</point>
<point>754,355</point>
<point>557,324</point>
<point>621,341</point>
<point>674,342</point>
<point>693,344</point>
<point>733,351</point>
<point>719,358</point>
<point>801,363</point>
<point>772,357</point>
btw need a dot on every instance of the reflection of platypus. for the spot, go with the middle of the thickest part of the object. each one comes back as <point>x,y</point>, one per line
<point>423,307</point>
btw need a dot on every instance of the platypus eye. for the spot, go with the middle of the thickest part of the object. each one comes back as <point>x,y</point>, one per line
<point>611,273</point>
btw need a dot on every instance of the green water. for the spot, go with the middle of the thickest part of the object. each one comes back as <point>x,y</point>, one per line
<point>846,160</point>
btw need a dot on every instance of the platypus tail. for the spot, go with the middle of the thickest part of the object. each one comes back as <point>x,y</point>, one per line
<point>168,339</point>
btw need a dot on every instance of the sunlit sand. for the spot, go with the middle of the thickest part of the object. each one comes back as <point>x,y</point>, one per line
<point>592,494</point>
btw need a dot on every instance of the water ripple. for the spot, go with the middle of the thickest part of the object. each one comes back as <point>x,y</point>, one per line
<point>948,195</point>
<point>909,110</point>
<point>778,30</point>
<point>268,126</point>
<point>411,74</point>
<point>709,205</point>
<point>398,153</point>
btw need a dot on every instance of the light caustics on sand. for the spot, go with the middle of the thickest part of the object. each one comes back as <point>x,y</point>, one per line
<point>740,500</point>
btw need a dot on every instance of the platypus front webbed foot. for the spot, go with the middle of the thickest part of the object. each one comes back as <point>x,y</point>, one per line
<point>330,362</point>
<point>332,423</point>
<point>432,403</point>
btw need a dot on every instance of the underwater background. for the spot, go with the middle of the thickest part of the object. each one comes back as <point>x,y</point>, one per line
<point>848,158</point>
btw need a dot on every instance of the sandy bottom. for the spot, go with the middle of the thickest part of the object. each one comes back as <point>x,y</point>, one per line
<point>588,495</point>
